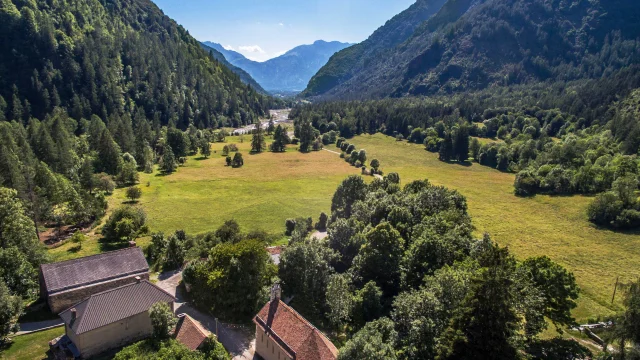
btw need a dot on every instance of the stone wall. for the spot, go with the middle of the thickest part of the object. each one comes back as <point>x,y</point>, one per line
<point>64,300</point>
<point>114,335</point>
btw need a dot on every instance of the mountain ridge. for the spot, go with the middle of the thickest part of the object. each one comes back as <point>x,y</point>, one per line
<point>474,44</point>
<point>290,71</point>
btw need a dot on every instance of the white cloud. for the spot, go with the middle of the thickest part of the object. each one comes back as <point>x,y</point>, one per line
<point>252,49</point>
<point>279,53</point>
<point>281,24</point>
<point>228,47</point>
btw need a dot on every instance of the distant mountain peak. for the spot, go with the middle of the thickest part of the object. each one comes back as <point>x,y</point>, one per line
<point>290,71</point>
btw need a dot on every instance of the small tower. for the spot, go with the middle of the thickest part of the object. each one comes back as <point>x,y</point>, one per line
<point>276,292</point>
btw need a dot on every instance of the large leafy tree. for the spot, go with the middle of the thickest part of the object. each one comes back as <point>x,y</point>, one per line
<point>305,272</point>
<point>240,271</point>
<point>379,258</point>
<point>376,341</point>
<point>486,321</point>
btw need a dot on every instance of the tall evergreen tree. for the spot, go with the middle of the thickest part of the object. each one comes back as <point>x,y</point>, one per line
<point>258,144</point>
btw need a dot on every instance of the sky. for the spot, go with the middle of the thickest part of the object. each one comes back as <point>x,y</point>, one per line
<point>263,29</point>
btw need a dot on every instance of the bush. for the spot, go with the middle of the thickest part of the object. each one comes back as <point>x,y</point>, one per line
<point>295,141</point>
<point>162,320</point>
<point>628,219</point>
<point>290,225</point>
<point>605,209</point>
<point>133,193</point>
<point>527,183</point>
<point>237,160</point>
<point>321,225</point>
<point>125,223</point>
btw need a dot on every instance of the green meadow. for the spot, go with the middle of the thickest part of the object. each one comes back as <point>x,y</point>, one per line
<point>542,225</point>
<point>261,195</point>
<point>270,188</point>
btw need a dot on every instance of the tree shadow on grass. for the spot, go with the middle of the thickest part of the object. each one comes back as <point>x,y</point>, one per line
<point>74,249</point>
<point>200,158</point>
<point>106,245</point>
<point>131,202</point>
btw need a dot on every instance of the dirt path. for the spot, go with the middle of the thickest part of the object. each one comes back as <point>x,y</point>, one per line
<point>320,235</point>
<point>237,339</point>
<point>331,151</point>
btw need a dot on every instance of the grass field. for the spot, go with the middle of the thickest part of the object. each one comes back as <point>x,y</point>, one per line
<point>32,346</point>
<point>273,187</point>
<point>542,225</point>
<point>268,189</point>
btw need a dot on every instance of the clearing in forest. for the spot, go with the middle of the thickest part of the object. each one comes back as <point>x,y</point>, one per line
<point>261,195</point>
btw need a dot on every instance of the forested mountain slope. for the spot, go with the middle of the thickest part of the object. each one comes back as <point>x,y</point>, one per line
<point>110,57</point>
<point>244,76</point>
<point>356,59</point>
<point>91,92</point>
<point>288,72</point>
<point>472,45</point>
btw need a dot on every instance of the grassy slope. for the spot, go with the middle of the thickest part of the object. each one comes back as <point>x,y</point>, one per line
<point>32,346</point>
<point>543,225</point>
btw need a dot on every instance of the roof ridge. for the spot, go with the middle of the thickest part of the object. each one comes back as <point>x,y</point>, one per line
<point>92,256</point>
<point>314,329</point>
<point>108,291</point>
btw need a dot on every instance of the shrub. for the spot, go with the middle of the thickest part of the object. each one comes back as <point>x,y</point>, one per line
<point>133,193</point>
<point>125,223</point>
<point>527,183</point>
<point>162,320</point>
<point>237,160</point>
<point>290,225</point>
<point>605,209</point>
<point>321,225</point>
<point>351,148</point>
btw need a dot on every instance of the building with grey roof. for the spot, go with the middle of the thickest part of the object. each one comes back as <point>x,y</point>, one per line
<point>65,283</point>
<point>113,318</point>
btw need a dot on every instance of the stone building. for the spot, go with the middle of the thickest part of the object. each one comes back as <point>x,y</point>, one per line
<point>63,284</point>
<point>113,318</point>
<point>283,334</point>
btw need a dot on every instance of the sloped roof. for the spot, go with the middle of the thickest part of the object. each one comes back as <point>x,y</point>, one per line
<point>114,305</point>
<point>190,333</point>
<point>88,270</point>
<point>285,324</point>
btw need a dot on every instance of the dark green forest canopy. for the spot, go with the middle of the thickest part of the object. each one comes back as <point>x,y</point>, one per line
<point>114,58</point>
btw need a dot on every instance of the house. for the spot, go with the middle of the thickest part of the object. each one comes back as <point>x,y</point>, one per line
<point>113,318</point>
<point>283,334</point>
<point>190,333</point>
<point>63,284</point>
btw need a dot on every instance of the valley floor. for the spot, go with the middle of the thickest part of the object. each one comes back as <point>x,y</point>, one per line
<point>543,225</point>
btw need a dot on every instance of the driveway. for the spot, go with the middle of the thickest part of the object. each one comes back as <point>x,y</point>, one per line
<point>237,339</point>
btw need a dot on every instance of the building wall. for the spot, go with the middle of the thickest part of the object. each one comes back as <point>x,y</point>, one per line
<point>267,348</point>
<point>114,335</point>
<point>64,300</point>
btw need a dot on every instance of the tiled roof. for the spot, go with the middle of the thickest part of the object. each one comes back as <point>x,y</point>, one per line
<point>190,333</point>
<point>282,322</point>
<point>114,305</point>
<point>88,270</point>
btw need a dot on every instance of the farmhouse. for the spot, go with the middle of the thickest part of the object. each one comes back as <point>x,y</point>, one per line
<point>283,334</point>
<point>113,318</point>
<point>65,283</point>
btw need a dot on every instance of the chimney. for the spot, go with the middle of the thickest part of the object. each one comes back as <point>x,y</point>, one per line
<point>276,292</point>
<point>138,279</point>
<point>73,314</point>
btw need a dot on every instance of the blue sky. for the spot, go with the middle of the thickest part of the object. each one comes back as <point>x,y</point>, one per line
<point>262,29</point>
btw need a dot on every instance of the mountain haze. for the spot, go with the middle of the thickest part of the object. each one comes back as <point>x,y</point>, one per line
<point>288,72</point>
<point>474,44</point>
